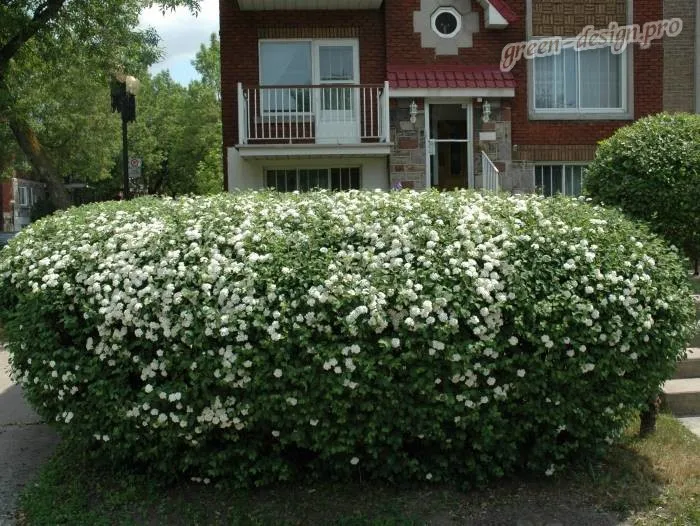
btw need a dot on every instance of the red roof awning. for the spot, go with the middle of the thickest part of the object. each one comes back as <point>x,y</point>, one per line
<point>445,76</point>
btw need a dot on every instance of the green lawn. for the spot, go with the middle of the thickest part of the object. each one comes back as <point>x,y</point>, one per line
<point>651,481</point>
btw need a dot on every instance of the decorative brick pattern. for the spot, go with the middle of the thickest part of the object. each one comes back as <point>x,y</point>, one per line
<point>308,32</point>
<point>555,152</point>
<point>679,67</point>
<point>568,18</point>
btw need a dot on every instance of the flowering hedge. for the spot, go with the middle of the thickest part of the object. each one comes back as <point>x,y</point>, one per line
<point>263,337</point>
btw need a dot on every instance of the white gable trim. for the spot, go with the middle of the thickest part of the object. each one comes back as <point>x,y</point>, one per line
<point>492,18</point>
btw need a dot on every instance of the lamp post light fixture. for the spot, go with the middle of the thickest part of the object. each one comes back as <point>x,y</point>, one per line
<point>124,89</point>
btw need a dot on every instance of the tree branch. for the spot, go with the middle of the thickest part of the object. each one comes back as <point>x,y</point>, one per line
<point>42,16</point>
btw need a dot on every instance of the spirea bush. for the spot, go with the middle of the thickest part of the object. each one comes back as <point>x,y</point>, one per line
<point>400,336</point>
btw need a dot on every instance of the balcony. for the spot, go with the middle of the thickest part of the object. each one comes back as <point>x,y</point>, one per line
<point>329,119</point>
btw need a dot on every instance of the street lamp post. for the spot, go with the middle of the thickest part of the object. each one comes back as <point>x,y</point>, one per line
<point>124,89</point>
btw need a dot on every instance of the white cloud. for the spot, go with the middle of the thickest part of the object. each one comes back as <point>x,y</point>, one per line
<point>181,35</point>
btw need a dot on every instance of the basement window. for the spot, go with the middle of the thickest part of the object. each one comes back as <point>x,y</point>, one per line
<point>306,179</point>
<point>559,179</point>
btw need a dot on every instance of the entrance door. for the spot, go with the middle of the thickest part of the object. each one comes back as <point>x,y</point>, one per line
<point>451,146</point>
<point>337,103</point>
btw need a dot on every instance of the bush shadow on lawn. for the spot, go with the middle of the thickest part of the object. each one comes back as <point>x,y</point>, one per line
<point>75,490</point>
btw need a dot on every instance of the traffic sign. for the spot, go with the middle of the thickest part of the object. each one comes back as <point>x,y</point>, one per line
<point>135,166</point>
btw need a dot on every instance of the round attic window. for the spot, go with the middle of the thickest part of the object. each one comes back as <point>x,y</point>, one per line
<point>446,22</point>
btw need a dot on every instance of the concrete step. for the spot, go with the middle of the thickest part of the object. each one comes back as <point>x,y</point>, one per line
<point>695,340</point>
<point>690,368</point>
<point>682,396</point>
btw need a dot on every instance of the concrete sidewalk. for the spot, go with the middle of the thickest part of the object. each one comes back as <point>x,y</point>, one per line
<point>25,443</point>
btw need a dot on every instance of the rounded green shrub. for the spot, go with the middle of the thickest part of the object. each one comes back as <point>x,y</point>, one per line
<point>651,170</point>
<point>403,336</point>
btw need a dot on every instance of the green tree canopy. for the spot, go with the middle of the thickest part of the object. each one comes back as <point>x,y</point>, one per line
<point>71,43</point>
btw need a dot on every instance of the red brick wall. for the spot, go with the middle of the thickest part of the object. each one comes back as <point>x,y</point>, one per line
<point>239,49</point>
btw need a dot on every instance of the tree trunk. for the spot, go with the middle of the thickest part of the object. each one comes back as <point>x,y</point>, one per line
<point>648,419</point>
<point>30,145</point>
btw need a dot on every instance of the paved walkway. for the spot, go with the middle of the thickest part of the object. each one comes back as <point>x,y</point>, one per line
<point>25,443</point>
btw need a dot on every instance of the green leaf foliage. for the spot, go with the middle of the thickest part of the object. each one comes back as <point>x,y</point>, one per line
<point>401,336</point>
<point>651,170</point>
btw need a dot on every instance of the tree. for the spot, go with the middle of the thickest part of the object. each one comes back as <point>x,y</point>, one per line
<point>208,64</point>
<point>178,131</point>
<point>100,29</point>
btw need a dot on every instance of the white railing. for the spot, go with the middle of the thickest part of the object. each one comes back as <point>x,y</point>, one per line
<point>326,114</point>
<point>489,173</point>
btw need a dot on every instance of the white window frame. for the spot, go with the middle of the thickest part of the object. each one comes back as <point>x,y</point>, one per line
<point>23,196</point>
<point>563,166</point>
<point>316,44</point>
<point>625,112</point>
<point>453,12</point>
<point>301,168</point>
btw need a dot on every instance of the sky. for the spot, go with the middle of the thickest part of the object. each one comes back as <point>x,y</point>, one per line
<point>181,35</point>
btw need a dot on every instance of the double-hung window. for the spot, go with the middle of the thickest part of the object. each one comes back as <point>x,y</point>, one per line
<point>573,82</point>
<point>554,179</point>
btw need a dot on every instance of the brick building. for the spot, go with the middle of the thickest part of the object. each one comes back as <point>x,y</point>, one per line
<point>17,197</point>
<point>411,93</point>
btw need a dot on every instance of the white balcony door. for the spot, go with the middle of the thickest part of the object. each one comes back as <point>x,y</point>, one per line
<point>337,105</point>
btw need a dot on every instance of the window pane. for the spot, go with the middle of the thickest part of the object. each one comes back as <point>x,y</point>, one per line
<point>336,63</point>
<point>335,179</point>
<point>271,179</point>
<point>285,63</point>
<point>574,178</point>
<point>601,86</point>
<point>555,81</point>
<point>557,180</point>
<point>546,180</point>
<point>355,178</point>
<point>291,180</point>
<point>570,79</point>
<point>304,176</point>
<point>323,179</point>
